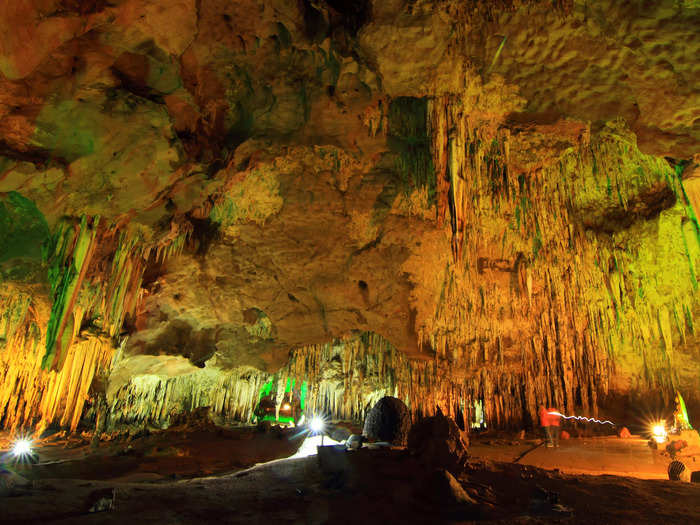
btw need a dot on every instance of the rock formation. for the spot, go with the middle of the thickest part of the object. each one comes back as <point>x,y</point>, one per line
<point>438,443</point>
<point>389,421</point>
<point>441,201</point>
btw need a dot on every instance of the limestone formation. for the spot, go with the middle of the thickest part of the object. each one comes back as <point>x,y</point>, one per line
<point>456,204</point>
<point>438,443</point>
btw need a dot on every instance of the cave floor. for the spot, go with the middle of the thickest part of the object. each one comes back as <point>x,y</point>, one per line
<point>593,455</point>
<point>185,451</point>
<point>199,476</point>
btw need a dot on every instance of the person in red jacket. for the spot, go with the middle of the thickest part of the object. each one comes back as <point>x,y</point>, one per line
<point>551,424</point>
<point>544,423</point>
<point>554,425</point>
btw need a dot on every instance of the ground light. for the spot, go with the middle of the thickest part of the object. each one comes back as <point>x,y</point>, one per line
<point>310,444</point>
<point>316,437</point>
<point>317,425</point>
<point>22,448</point>
<point>22,452</point>
<point>658,432</point>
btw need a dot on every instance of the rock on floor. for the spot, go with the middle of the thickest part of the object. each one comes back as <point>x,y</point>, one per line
<point>389,421</point>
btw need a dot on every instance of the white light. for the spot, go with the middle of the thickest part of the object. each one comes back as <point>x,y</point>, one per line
<point>286,406</point>
<point>659,432</point>
<point>23,447</point>
<point>317,425</point>
<point>310,445</point>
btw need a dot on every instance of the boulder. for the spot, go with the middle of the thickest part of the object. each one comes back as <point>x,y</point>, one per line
<point>388,421</point>
<point>438,442</point>
<point>337,433</point>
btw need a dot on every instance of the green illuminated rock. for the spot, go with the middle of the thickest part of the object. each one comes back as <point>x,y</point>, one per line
<point>23,228</point>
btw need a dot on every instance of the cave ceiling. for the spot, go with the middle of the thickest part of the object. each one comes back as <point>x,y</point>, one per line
<point>246,178</point>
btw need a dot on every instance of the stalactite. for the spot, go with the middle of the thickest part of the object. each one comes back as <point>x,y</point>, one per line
<point>31,396</point>
<point>344,379</point>
<point>95,276</point>
<point>155,400</point>
<point>471,165</point>
<point>70,252</point>
<point>580,311</point>
<point>543,299</point>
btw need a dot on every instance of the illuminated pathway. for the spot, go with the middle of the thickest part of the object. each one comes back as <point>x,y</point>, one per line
<point>603,455</point>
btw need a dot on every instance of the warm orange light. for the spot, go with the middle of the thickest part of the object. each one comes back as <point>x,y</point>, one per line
<point>658,432</point>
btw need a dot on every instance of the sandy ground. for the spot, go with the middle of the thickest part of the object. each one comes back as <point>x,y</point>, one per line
<point>163,479</point>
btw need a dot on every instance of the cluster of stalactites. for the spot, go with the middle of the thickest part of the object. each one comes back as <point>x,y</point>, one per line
<point>95,276</point>
<point>49,356</point>
<point>347,377</point>
<point>344,379</point>
<point>471,165</point>
<point>159,400</point>
<point>33,397</point>
<point>539,283</point>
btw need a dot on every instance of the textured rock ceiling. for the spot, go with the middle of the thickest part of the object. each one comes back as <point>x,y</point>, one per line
<point>260,165</point>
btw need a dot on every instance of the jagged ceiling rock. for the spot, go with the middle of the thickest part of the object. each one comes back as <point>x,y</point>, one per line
<point>409,45</point>
<point>603,60</point>
<point>581,60</point>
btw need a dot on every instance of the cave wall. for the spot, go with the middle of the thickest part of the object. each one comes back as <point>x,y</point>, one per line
<point>197,195</point>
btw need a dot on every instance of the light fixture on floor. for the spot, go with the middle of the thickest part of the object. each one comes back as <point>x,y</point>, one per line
<point>317,425</point>
<point>23,451</point>
<point>23,447</point>
<point>658,432</point>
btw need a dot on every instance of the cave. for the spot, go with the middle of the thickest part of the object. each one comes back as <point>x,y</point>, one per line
<point>325,261</point>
